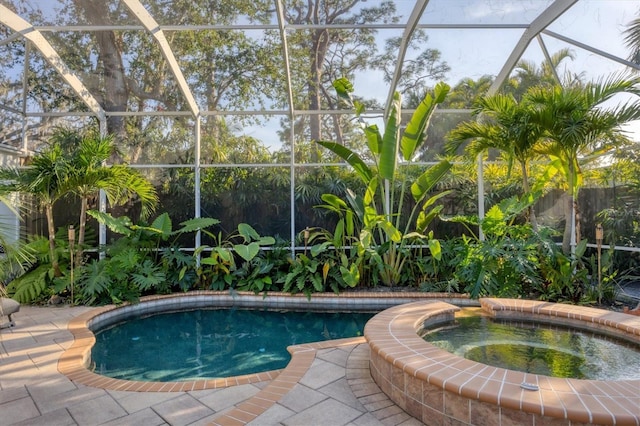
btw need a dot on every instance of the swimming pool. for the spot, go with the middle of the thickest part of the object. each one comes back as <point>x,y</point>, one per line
<point>77,365</point>
<point>213,343</point>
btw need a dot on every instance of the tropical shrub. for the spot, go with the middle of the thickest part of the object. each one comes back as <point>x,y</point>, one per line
<point>37,281</point>
<point>505,262</point>
<point>235,258</point>
<point>144,259</point>
<point>385,233</point>
<point>328,262</point>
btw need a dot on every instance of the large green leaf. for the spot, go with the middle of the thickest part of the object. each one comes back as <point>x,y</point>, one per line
<point>119,225</point>
<point>389,150</point>
<point>163,224</point>
<point>350,276</point>
<point>391,231</point>
<point>364,172</point>
<point>343,88</point>
<point>28,287</point>
<point>429,179</point>
<point>435,248</point>
<point>374,138</point>
<point>247,232</point>
<point>338,233</point>
<point>494,221</point>
<point>370,193</point>
<point>413,134</point>
<point>356,203</point>
<point>336,203</point>
<point>425,218</point>
<point>196,224</point>
<point>247,251</point>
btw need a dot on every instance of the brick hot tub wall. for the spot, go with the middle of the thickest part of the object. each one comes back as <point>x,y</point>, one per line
<point>440,388</point>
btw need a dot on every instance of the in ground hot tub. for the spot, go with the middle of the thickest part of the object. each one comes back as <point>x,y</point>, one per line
<point>438,387</point>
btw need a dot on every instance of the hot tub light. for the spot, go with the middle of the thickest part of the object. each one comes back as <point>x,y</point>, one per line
<point>529,386</point>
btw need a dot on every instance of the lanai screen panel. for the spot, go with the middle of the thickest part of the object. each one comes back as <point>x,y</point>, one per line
<point>237,89</point>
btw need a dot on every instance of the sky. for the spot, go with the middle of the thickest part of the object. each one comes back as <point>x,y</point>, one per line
<point>476,52</point>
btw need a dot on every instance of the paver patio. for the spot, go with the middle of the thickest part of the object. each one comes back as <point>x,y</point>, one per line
<point>337,389</point>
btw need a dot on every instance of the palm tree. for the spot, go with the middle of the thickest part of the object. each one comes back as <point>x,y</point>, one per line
<point>15,256</point>
<point>529,74</point>
<point>467,91</point>
<point>577,126</point>
<point>44,179</point>
<point>88,175</point>
<point>504,124</point>
<point>632,40</point>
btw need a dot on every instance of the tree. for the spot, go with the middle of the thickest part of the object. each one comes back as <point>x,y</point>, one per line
<point>74,165</point>
<point>528,74</point>
<point>578,127</point>
<point>126,70</point>
<point>467,91</point>
<point>321,53</point>
<point>632,40</point>
<point>418,71</point>
<point>44,179</point>
<point>14,255</point>
<point>504,124</point>
<point>87,175</point>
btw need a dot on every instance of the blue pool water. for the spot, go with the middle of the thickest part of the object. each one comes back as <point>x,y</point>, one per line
<point>209,344</point>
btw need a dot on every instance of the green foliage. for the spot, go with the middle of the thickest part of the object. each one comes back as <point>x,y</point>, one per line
<point>31,286</point>
<point>327,263</point>
<point>262,273</point>
<point>604,281</point>
<point>179,269</point>
<point>136,264</point>
<point>506,263</point>
<point>38,281</point>
<point>385,229</point>
<point>513,260</point>
<point>306,275</point>
<point>238,256</point>
<point>566,277</point>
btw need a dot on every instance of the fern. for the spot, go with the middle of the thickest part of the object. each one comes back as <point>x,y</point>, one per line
<point>317,282</point>
<point>30,286</point>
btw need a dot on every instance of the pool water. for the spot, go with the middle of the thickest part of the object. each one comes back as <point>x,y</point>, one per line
<point>539,348</point>
<point>208,344</point>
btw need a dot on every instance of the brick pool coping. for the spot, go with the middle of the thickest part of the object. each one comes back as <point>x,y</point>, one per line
<point>438,387</point>
<point>75,361</point>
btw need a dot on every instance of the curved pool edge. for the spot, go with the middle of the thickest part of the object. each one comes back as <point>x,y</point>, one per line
<point>74,362</point>
<point>437,387</point>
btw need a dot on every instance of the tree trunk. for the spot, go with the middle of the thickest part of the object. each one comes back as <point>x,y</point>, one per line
<point>567,201</point>
<point>81,231</point>
<point>526,189</point>
<point>115,88</point>
<point>52,240</point>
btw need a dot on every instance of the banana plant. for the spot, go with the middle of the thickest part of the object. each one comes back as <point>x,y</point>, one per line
<point>386,235</point>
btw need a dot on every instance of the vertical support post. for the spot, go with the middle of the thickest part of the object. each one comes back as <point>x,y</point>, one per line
<point>599,238</point>
<point>72,239</point>
<point>25,91</point>
<point>292,163</point>
<point>102,203</point>
<point>573,241</point>
<point>197,193</point>
<point>480,195</point>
